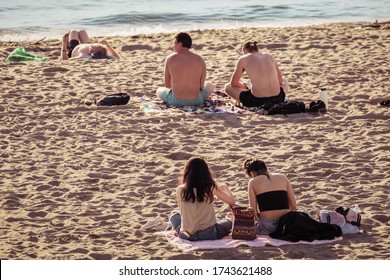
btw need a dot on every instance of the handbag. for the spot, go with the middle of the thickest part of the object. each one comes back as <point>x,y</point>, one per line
<point>243,223</point>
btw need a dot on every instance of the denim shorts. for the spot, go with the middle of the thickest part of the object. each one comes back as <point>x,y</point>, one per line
<point>217,231</point>
<point>266,226</point>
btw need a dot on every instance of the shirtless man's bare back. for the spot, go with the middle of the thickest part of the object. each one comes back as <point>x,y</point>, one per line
<point>264,74</point>
<point>184,75</point>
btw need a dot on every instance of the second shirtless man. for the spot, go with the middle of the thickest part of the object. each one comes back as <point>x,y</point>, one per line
<point>264,74</point>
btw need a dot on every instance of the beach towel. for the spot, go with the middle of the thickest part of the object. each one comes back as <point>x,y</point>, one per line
<point>219,104</point>
<point>20,54</point>
<point>228,242</point>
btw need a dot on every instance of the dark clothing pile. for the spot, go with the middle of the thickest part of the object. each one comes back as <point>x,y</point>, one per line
<point>296,226</point>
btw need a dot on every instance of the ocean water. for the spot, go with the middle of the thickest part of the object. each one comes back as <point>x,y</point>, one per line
<point>28,20</point>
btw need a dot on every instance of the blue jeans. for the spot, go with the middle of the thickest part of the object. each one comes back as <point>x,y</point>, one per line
<point>266,226</point>
<point>217,231</point>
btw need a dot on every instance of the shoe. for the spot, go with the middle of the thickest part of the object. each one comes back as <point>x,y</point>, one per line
<point>313,107</point>
<point>316,106</point>
<point>321,106</point>
<point>163,226</point>
<point>152,224</point>
<point>385,103</point>
<point>229,216</point>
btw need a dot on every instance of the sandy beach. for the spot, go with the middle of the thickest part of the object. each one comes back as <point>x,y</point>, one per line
<point>77,181</point>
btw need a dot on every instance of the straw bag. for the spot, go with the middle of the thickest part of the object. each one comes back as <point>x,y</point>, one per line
<point>243,223</point>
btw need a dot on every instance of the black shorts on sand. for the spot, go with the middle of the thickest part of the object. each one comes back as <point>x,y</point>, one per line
<point>249,100</point>
<point>72,44</point>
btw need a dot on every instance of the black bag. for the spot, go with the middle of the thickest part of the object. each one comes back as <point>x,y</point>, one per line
<point>114,99</point>
<point>287,107</point>
<point>294,226</point>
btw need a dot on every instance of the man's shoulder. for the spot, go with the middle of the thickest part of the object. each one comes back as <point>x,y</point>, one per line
<point>268,56</point>
<point>194,56</point>
<point>171,56</point>
<point>180,58</point>
<point>244,56</point>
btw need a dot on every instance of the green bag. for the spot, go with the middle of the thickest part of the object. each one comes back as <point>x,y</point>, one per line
<point>20,54</point>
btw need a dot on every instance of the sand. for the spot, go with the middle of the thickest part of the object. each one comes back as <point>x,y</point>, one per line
<point>78,181</point>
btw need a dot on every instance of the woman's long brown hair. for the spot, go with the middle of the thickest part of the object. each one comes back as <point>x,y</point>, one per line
<point>197,176</point>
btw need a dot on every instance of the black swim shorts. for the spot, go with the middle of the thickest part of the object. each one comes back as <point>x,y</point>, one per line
<point>72,44</point>
<point>249,100</point>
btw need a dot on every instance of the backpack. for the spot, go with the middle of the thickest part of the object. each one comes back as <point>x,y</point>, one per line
<point>114,99</point>
<point>351,215</point>
<point>348,219</point>
<point>287,107</point>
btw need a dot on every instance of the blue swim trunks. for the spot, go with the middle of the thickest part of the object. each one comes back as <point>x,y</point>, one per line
<point>168,97</point>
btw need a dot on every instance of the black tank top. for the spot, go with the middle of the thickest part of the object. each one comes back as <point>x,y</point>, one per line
<point>274,200</point>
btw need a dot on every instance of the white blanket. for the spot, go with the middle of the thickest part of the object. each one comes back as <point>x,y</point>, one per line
<point>228,242</point>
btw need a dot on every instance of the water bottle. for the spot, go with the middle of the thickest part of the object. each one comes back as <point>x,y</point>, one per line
<point>324,97</point>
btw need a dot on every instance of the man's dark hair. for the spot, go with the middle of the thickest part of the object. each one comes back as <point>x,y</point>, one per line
<point>184,39</point>
<point>250,46</point>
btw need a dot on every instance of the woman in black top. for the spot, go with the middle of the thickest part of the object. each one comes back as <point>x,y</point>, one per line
<point>270,195</point>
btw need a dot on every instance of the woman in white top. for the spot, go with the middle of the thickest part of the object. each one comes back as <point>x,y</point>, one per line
<point>196,219</point>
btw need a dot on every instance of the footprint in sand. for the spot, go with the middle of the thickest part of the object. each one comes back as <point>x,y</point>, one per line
<point>40,214</point>
<point>97,256</point>
<point>179,156</point>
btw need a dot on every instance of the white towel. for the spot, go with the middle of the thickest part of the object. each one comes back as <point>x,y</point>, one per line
<point>228,242</point>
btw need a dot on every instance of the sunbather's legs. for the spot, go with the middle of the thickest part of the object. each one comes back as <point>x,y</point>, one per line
<point>84,38</point>
<point>285,85</point>
<point>175,220</point>
<point>160,90</point>
<point>74,35</point>
<point>224,227</point>
<point>233,91</point>
<point>209,87</point>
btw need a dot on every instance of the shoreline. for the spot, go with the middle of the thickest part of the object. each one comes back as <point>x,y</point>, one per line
<point>78,181</point>
<point>12,34</point>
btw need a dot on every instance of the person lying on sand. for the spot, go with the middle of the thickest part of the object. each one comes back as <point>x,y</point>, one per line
<point>196,219</point>
<point>76,44</point>
<point>184,75</point>
<point>265,77</point>
<point>270,195</point>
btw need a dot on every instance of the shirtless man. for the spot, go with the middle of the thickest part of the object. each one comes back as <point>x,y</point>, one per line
<point>76,44</point>
<point>184,75</point>
<point>264,75</point>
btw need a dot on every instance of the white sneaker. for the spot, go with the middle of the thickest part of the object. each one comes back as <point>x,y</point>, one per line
<point>163,226</point>
<point>152,224</point>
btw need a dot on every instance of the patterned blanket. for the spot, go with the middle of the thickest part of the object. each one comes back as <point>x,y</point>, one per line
<point>219,103</point>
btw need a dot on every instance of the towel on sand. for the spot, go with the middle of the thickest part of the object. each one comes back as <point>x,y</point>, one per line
<point>228,242</point>
<point>217,105</point>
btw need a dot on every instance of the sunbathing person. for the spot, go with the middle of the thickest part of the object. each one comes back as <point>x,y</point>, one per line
<point>76,44</point>
<point>264,75</point>
<point>270,195</point>
<point>196,219</point>
<point>184,75</point>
